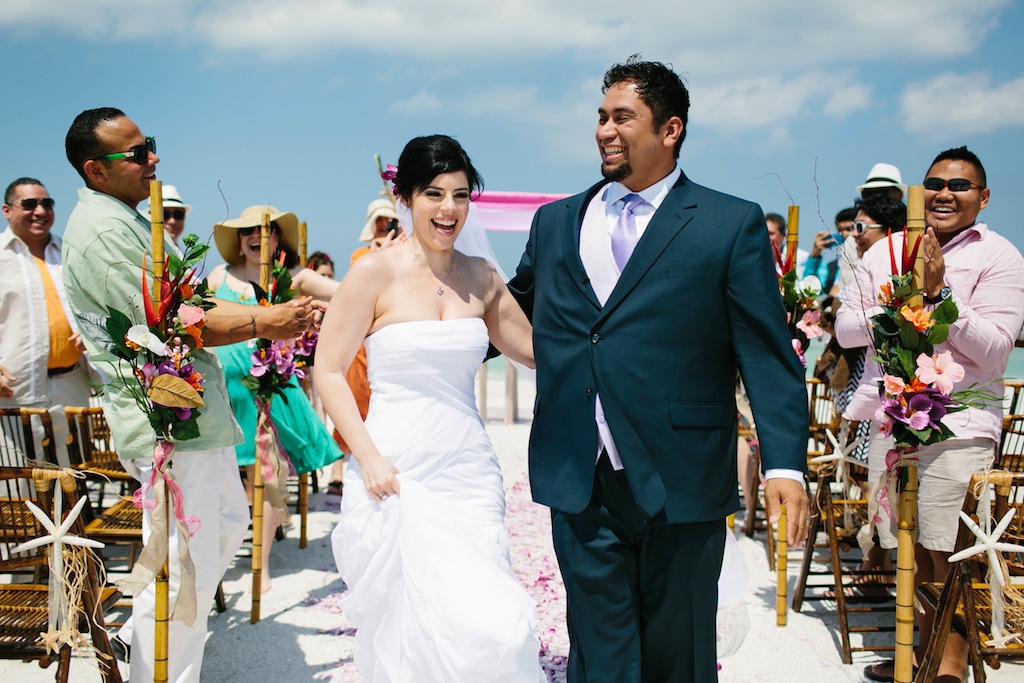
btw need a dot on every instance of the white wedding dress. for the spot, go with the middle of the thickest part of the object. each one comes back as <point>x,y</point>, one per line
<point>430,587</point>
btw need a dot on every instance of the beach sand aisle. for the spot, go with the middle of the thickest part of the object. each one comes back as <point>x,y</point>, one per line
<point>303,634</point>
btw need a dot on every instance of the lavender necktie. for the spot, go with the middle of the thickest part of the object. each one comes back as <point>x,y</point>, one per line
<point>624,232</point>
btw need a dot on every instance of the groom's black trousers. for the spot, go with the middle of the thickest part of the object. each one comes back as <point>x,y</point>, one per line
<point>642,596</point>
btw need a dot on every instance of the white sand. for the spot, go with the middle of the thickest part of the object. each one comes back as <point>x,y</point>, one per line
<point>303,636</point>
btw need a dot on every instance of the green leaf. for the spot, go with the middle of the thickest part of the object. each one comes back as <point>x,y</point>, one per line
<point>938,334</point>
<point>909,337</point>
<point>946,312</point>
<point>183,430</point>
<point>251,383</point>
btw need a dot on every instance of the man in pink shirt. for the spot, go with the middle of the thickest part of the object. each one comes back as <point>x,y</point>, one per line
<point>984,275</point>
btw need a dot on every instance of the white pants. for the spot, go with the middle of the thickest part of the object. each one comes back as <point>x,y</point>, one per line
<point>213,492</point>
<point>69,389</point>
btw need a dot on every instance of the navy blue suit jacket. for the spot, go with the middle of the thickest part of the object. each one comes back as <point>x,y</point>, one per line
<point>697,301</point>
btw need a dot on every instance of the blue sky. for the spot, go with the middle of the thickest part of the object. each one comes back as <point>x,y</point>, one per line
<point>286,101</point>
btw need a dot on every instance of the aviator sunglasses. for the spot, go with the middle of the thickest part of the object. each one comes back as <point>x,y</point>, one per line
<point>954,184</point>
<point>138,154</point>
<point>31,203</point>
<point>176,214</point>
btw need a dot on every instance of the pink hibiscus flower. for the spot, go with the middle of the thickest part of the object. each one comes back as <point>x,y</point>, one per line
<point>940,370</point>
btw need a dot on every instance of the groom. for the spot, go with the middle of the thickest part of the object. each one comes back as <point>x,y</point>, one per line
<point>647,294</point>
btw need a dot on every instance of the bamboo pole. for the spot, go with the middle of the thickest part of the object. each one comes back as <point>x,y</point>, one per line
<point>907,512</point>
<point>511,393</point>
<point>257,477</point>
<point>162,608</point>
<point>481,394</point>
<point>303,476</point>
<point>782,580</point>
<point>792,235</point>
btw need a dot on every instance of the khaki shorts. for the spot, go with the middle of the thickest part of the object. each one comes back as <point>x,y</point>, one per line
<point>944,470</point>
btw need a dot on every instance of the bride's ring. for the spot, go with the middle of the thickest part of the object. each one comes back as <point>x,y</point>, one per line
<point>382,495</point>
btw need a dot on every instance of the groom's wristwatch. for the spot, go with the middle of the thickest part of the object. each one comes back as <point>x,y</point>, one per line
<point>944,294</point>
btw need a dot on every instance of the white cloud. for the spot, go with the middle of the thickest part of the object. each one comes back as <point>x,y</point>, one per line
<point>770,101</point>
<point>962,104</point>
<point>419,103</point>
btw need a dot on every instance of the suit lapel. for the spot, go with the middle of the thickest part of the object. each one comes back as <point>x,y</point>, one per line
<point>672,216</point>
<point>572,220</point>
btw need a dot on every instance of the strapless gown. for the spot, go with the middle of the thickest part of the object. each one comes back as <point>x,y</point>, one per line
<point>430,587</point>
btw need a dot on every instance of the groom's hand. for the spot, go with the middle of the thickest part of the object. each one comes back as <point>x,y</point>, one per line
<point>791,493</point>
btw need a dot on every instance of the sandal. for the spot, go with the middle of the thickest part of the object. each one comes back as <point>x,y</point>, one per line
<point>883,671</point>
<point>335,488</point>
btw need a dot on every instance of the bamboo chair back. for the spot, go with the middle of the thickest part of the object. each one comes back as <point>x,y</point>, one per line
<point>24,606</point>
<point>1011,445</point>
<point>964,603</point>
<point>18,445</point>
<point>1015,406</point>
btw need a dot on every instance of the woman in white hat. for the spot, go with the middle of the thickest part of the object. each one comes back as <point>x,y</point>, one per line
<point>305,440</point>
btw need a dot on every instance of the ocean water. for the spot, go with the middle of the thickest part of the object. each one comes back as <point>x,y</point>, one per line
<point>1014,368</point>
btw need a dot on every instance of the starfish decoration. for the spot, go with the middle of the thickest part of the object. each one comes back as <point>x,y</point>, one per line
<point>1003,640</point>
<point>840,454</point>
<point>989,544</point>
<point>57,535</point>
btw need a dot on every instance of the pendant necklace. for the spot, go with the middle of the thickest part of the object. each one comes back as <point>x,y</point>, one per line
<point>440,285</point>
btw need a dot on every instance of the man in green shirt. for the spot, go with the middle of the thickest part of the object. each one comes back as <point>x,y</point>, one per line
<point>104,244</point>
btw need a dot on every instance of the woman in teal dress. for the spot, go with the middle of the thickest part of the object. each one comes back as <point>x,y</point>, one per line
<point>302,434</point>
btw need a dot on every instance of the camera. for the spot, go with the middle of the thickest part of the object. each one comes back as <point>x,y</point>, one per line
<point>392,227</point>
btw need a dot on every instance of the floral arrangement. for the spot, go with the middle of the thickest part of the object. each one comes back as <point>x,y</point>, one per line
<point>917,383</point>
<point>800,299</point>
<point>160,351</point>
<point>274,363</point>
<point>168,389</point>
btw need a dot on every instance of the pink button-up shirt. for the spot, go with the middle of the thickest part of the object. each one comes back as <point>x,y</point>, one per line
<point>986,275</point>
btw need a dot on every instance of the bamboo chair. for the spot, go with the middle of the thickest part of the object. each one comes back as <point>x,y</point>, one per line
<point>24,606</point>
<point>841,517</point>
<point>1011,445</point>
<point>17,441</point>
<point>965,604</point>
<point>91,452</point>
<point>1016,403</point>
<point>821,415</point>
<point>753,500</point>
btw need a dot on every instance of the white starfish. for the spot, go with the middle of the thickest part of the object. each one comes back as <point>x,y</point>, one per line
<point>840,453</point>
<point>1003,640</point>
<point>989,544</point>
<point>57,535</point>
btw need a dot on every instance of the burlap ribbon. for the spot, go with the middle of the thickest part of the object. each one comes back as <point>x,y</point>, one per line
<point>153,555</point>
<point>271,461</point>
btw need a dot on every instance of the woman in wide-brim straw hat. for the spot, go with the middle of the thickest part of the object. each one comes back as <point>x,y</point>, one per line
<point>302,434</point>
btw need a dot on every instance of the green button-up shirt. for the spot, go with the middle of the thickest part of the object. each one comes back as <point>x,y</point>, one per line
<point>103,246</point>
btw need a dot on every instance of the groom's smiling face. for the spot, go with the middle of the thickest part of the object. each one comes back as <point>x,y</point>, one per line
<point>634,151</point>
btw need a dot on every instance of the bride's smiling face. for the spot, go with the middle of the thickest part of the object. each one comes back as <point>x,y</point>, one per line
<point>439,210</point>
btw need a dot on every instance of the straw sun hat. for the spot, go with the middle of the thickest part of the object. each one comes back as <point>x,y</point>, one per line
<point>229,244</point>
<point>376,209</point>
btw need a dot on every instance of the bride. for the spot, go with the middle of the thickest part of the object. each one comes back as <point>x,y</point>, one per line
<point>421,543</point>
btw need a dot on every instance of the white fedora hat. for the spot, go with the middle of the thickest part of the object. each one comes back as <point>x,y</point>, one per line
<point>882,176</point>
<point>376,209</point>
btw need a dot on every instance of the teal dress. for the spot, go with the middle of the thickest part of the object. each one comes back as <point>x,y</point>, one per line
<point>303,435</point>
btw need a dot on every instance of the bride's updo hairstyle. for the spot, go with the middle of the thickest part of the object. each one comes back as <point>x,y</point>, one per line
<point>427,157</point>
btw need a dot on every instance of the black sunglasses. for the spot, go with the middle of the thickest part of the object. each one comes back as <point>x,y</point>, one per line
<point>138,154</point>
<point>176,214</point>
<point>30,203</point>
<point>245,232</point>
<point>860,226</point>
<point>954,184</point>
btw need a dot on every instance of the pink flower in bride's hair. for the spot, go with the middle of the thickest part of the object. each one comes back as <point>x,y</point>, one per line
<point>940,370</point>
<point>390,173</point>
<point>894,386</point>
